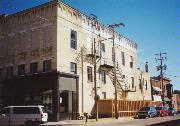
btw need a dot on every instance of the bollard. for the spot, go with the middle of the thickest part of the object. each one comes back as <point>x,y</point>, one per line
<point>86,115</point>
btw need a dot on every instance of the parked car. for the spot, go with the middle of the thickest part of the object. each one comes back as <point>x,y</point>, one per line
<point>22,115</point>
<point>173,111</point>
<point>147,112</point>
<point>162,111</point>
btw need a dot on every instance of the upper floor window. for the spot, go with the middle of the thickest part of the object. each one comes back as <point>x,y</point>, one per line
<point>46,65</point>
<point>9,71</point>
<point>34,67</point>
<point>103,76</point>
<point>124,76</point>
<point>140,84</point>
<point>21,69</point>
<point>89,72</point>
<point>123,58</point>
<point>146,84</point>
<point>73,67</point>
<point>131,62</point>
<point>104,95</point>
<point>132,82</point>
<point>73,39</point>
<point>102,45</point>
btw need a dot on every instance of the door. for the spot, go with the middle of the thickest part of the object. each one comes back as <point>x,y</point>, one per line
<point>5,117</point>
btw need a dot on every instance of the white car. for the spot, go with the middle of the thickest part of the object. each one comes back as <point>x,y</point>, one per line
<point>22,115</point>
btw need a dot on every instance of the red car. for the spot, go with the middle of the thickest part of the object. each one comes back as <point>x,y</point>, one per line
<point>162,111</point>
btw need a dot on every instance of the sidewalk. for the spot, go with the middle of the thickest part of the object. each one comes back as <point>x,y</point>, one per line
<point>89,122</point>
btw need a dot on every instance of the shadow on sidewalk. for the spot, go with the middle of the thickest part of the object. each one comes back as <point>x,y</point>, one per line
<point>168,123</point>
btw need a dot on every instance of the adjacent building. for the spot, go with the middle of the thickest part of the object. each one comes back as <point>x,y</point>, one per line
<point>46,57</point>
<point>158,90</point>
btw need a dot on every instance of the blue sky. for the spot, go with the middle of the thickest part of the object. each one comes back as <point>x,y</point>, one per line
<point>152,24</point>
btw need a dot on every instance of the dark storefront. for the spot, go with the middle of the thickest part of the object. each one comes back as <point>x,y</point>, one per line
<point>58,92</point>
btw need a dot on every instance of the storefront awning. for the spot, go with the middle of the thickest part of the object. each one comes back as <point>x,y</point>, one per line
<point>157,89</point>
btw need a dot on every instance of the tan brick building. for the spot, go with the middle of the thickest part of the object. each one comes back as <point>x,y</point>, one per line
<point>41,61</point>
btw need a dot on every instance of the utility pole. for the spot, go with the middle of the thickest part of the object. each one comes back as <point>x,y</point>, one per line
<point>112,27</point>
<point>94,24</point>
<point>82,79</point>
<point>160,68</point>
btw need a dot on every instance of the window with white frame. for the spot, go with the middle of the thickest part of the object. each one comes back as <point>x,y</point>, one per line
<point>34,67</point>
<point>131,62</point>
<point>73,67</point>
<point>102,46</point>
<point>73,39</point>
<point>132,82</point>
<point>21,69</point>
<point>89,73</point>
<point>46,65</point>
<point>103,76</point>
<point>123,58</point>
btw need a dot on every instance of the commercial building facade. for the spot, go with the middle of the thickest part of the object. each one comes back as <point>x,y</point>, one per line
<point>47,58</point>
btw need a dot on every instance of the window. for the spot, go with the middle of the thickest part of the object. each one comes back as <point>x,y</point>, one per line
<point>33,67</point>
<point>21,69</point>
<point>139,83</point>
<point>9,71</point>
<point>123,58</point>
<point>102,47</point>
<point>73,67</point>
<point>104,95</point>
<point>146,84</point>
<point>123,76</point>
<point>103,76</point>
<point>46,65</point>
<point>26,110</point>
<point>131,62</point>
<point>73,39</point>
<point>132,82</point>
<point>89,72</point>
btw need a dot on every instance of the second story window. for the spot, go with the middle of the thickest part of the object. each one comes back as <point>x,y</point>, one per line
<point>140,84</point>
<point>73,39</point>
<point>9,71</point>
<point>102,46</point>
<point>34,67</point>
<point>103,76</point>
<point>21,69</point>
<point>123,58</point>
<point>104,95</point>
<point>146,84</point>
<point>132,82</point>
<point>89,72</point>
<point>46,65</point>
<point>131,62</point>
<point>73,67</point>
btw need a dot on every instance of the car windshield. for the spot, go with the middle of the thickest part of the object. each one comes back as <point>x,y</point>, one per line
<point>158,108</point>
<point>170,108</point>
<point>145,109</point>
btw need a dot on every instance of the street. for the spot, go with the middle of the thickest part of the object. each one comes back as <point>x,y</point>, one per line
<point>158,121</point>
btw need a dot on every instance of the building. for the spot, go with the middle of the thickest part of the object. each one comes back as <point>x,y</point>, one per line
<point>176,101</point>
<point>157,94</point>
<point>47,58</point>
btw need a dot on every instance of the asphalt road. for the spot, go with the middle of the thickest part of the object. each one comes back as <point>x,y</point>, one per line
<point>159,121</point>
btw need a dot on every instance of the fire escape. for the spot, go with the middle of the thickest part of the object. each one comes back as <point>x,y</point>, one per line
<point>123,87</point>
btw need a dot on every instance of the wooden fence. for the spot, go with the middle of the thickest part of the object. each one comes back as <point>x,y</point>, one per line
<point>125,107</point>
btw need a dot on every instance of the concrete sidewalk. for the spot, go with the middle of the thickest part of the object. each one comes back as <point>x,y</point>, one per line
<point>89,122</point>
